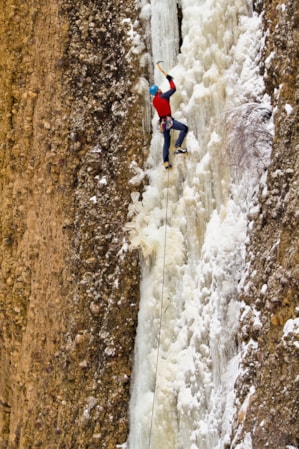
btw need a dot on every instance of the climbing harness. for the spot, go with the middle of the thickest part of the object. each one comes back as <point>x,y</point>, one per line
<point>166,123</point>
<point>161,316</point>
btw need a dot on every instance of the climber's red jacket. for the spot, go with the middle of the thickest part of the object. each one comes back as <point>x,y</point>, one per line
<point>161,100</point>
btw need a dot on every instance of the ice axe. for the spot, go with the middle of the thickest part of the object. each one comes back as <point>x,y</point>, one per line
<point>160,68</point>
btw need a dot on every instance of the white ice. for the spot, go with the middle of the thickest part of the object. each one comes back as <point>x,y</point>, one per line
<point>191,225</point>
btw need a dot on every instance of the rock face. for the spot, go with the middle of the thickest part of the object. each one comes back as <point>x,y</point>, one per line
<point>71,128</point>
<point>268,390</point>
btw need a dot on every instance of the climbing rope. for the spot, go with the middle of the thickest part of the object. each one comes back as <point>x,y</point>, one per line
<point>161,314</point>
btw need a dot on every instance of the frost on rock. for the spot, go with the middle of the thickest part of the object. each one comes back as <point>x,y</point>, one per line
<point>247,443</point>
<point>288,108</point>
<point>291,332</point>
<point>139,174</point>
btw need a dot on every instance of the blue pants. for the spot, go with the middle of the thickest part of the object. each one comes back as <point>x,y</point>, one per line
<point>166,134</point>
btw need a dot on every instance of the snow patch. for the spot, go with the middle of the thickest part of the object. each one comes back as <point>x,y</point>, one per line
<point>93,199</point>
<point>291,326</point>
<point>288,108</point>
<point>103,181</point>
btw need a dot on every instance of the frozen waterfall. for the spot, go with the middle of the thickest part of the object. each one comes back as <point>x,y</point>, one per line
<point>190,223</point>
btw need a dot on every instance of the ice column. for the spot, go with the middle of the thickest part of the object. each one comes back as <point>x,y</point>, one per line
<point>191,226</point>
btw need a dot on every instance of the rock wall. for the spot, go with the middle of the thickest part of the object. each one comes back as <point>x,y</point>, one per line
<point>268,390</point>
<point>72,127</point>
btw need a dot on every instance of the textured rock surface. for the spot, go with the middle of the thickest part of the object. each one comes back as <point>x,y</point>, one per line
<point>71,126</point>
<point>268,390</point>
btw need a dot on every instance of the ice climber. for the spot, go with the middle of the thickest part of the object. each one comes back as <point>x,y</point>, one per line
<point>162,105</point>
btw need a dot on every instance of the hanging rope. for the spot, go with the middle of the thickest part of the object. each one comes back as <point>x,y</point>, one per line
<point>161,314</point>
